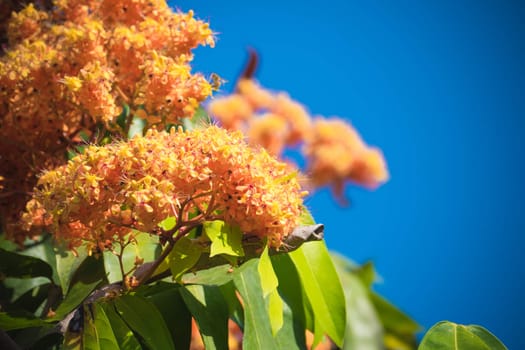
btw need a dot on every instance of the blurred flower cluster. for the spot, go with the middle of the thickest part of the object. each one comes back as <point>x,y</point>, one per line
<point>100,195</point>
<point>68,69</point>
<point>334,151</point>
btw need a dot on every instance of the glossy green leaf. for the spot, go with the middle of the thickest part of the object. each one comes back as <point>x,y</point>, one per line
<point>291,292</point>
<point>124,336</point>
<point>78,293</point>
<point>21,286</point>
<point>217,276</point>
<point>44,250</point>
<point>166,297</point>
<point>144,246</point>
<point>87,277</point>
<point>183,257</point>
<point>168,223</point>
<point>18,320</point>
<point>323,289</point>
<point>274,304</point>
<point>23,266</point>
<point>208,307</point>
<point>106,337</point>
<point>266,273</point>
<point>145,319</point>
<point>291,336</point>
<point>452,336</point>
<point>269,285</point>
<point>225,238</point>
<point>257,327</point>
<point>67,264</point>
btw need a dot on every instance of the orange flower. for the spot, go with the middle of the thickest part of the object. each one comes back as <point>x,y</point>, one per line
<point>68,71</point>
<point>268,131</point>
<point>258,97</point>
<point>336,154</point>
<point>231,111</point>
<point>104,192</point>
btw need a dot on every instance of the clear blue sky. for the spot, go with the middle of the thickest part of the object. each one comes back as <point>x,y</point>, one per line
<point>440,87</point>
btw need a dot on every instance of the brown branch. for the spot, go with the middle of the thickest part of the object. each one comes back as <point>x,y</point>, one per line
<point>250,67</point>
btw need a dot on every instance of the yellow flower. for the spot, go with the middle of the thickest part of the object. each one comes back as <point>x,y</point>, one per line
<point>73,83</point>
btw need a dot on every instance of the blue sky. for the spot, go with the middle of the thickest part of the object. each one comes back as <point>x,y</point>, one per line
<point>439,86</point>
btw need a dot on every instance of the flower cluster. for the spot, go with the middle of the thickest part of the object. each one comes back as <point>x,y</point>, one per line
<point>335,152</point>
<point>67,71</point>
<point>270,120</point>
<point>105,192</point>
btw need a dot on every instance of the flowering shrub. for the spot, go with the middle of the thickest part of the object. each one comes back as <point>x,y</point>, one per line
<point>105,192</point>
<point>131,221</point>
<point>68,72</point>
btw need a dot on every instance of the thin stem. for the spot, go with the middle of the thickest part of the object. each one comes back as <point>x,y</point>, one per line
<point>182,231</point>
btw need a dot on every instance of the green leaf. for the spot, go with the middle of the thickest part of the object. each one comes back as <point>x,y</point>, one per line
<point>168,300</point>
<point>266,273</point>
<point>323,289</point>
<point>225,238</point>
<point>199,120</point>
<point>168,223</point>
<point>44,250</point>
<point>208,307</point>
<point>291,336</point>
<point>145,319</point>
<point>292,294</point>
<point>22,266</point>
<point>33,298</point>
<point>18,320</point>
<point>393,319</point>
<point>399,329</point>
<point>448,335</point>
<point>274,304</point>
<point>124,336</point>
<point>363,327</point>
<point>87,277</point>
<point>20,286</point>
<point>67,264</point>
<point>144,246</point>
<point>106,337</point>
<point>78,293</point>
<point>217,276</point>
<point>235,309</point>
<point>90,339</point>
<point>257,327</point>
<point>269,285</point>
<point>183,257</point>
